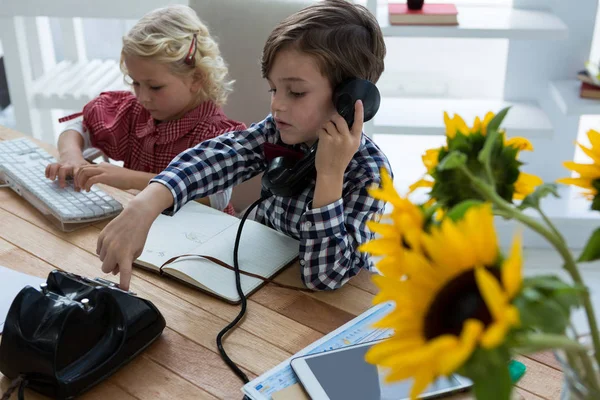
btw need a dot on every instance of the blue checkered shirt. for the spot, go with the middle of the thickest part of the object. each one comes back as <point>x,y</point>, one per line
<point>329,236</point>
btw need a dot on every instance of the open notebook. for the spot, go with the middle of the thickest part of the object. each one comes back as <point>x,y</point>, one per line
<point>201,230</point>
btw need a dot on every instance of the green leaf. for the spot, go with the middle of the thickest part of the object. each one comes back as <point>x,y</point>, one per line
<point>547,315</point>
<point>533,200</point>
<point>485,153</point>
<point>591,251</point>
<point>495,123</point>
<point>546,282</point>
<point>488,369</point>
<point>459,210</point>
<point>551,289</point>
<point>453,160</point>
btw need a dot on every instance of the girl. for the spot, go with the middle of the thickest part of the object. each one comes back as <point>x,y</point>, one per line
<point>180,82</point>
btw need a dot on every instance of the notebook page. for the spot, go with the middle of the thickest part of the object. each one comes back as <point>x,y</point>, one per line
<point>192,226</point>
<point>263,251</point>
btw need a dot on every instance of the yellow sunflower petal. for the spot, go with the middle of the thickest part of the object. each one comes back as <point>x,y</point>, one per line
<point>426,354</point>
<point>430,158</point>
<point>519,143</point>
<point>494,335</point>
<point>478,226</point>
<point>476,125</point>
<point>457,245</point>
<point>492,293</point>
<point>525,185</point>
<point>386,230</point>
<point>450,126</point>
<point>486,120</point>
<point>592,153</point>
<point>421,183</point>
<point>423,378</point>
<point>390,289</point>
<point>512,277</point>
<point>585,170</point>
<point>496,332</point>
<point>469,337</point>
<point>392,347</point>
<point>581,182</point>
<point>380,247</point>
<point>461,125</point>
<point>594,137</point>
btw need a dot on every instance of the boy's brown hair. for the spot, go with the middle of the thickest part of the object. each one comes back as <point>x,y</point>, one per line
<point>344,38</point>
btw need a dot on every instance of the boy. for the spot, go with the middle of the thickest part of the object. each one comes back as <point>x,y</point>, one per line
<point>306,56</point>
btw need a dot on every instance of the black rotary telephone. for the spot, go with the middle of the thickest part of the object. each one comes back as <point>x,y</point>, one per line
<point>287,177</point>
<point>74,333</point>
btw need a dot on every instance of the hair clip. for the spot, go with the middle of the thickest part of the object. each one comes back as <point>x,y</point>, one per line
<point>189,59</point>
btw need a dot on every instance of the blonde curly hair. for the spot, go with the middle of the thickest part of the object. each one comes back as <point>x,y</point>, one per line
<point>165,35</point>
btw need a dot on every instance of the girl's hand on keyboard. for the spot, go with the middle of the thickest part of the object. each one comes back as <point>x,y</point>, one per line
<point>106,173</point>
<point>64,169</point>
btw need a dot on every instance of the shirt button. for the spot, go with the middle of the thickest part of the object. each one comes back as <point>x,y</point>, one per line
<point>302,262</point>
<point>307,225</point>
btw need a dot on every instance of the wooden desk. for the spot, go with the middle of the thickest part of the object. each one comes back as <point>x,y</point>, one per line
<point>184,363</point>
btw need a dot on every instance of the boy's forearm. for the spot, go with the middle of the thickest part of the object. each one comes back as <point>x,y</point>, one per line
<point>139,180</point>
<point>70,145</point>
<point>328,189</point>
<point>153,200</point>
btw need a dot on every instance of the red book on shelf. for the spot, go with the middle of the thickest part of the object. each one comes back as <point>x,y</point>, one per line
<point>430,14</point>
<point>588,91</point>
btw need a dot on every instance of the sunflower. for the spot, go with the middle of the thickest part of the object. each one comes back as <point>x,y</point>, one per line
<point>589,174</point>
<point>450,300</point>
<point>408,221</point>
<point>451,186</point>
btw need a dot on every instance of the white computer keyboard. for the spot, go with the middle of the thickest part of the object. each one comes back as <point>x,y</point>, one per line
<point>22,167</point>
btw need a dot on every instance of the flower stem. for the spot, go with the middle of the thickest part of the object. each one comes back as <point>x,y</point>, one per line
<point>550,224</point>
<point>555,240</point>
<point>544,341</point>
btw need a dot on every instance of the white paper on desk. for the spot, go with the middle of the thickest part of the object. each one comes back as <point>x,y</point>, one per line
<point>11,283</point>
<point>358,330</point>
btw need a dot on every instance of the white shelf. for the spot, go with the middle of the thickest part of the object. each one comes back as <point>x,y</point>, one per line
<point>484,22</point>
<point>83,9</point>
<point>70,85</point>
<point>425,116</point>
<point>566,95</point>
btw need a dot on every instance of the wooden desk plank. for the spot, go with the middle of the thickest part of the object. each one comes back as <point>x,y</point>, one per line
<point>546,358</point>
<point>259,319</point>
<point>103,391</point>
<point>350,299</point>
<point>157,383</point>
<point>197,364</point>
<point>541,380</point>
<point>302,308</point>
<point>363,281</point>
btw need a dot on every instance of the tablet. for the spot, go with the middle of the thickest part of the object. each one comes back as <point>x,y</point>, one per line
<point>343,374</point>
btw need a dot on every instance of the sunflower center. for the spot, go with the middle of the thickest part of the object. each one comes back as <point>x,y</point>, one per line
<point>458,301</point>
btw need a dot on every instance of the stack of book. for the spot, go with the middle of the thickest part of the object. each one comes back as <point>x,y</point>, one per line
<point>430,14</point>
<point>590,82</point>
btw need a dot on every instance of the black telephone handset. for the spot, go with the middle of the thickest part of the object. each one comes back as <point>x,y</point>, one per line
<point>287,177</point>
